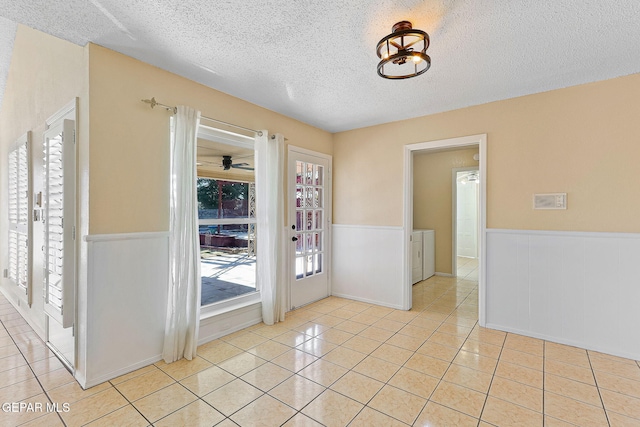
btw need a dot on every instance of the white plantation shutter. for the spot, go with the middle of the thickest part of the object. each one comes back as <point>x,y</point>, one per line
<point>19,197</point>
<point>59,219</point>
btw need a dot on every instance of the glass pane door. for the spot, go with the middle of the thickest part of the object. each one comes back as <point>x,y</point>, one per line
<point>309,210</point>
<point>310,227</point>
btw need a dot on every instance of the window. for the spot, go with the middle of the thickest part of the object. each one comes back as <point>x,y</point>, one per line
<point>226,212</point>
<point>227,239</point>
<point>19,217</point>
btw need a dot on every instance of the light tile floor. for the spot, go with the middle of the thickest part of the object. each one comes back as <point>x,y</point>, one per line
<point>339,362</point>
<point>467,268</point>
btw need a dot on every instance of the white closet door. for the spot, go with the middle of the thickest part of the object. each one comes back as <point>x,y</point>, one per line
<point>416,257</point>
<point>59,218</point>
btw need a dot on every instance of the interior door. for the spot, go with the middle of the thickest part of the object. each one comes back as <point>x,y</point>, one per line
<point>467,216</point>
<point>309,225</point>
<point>59,237</point>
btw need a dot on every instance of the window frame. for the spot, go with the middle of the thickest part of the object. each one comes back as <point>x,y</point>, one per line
<point>235,303</point>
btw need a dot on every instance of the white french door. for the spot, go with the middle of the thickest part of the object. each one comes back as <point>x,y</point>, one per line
<point>309,226</point>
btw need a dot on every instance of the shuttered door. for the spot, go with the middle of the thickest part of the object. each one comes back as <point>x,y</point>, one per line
<point>59,219</point>
<point>19,215</point>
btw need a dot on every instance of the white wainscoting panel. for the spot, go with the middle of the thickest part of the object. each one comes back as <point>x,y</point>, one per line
<point>367,264</point>
<point>127,302</point>
<point>575,288</point>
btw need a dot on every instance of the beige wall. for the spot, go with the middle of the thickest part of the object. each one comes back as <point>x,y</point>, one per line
<point>46,73</point>
<point>129,151</point>
<point>432,197</point>
<point>581,140</point>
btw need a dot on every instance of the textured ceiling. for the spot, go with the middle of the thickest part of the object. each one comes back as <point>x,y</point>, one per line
<point>315,60</point>
<point>7,35</point>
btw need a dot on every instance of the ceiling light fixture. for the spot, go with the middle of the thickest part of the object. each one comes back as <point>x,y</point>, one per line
<point>405,48</point>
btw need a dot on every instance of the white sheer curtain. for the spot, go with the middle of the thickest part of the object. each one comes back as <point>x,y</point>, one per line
<point>270,229</point>
<point>183,306</point>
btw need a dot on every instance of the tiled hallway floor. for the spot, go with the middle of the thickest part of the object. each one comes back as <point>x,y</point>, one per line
<point>339,362</point>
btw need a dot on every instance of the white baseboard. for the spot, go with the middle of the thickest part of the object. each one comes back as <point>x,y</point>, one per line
<point>366,300</point>
<point>90,382</point>
<point>444,274</point>
<point>565,341</point>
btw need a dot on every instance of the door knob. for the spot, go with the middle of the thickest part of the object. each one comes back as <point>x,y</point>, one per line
<point>294,239</point>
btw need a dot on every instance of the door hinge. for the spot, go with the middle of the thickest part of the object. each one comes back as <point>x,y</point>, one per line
<point>73,232</point>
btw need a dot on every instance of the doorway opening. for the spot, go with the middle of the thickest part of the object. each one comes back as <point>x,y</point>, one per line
<point>478,141</point>
<point>465,222</point>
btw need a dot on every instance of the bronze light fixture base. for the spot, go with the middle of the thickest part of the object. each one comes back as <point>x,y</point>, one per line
<point>403,52</point>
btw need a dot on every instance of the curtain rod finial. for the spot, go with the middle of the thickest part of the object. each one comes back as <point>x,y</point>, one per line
<point>151,101</point>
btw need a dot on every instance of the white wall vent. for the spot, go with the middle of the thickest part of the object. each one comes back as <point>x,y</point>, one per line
<point>550,201</point>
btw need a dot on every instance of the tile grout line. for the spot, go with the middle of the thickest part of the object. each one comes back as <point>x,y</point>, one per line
<point>128,401</point>
<point>595,380</point>
<point>493,375</point>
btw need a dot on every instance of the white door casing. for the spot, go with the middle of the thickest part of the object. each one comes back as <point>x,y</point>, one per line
<point>480,141</point>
